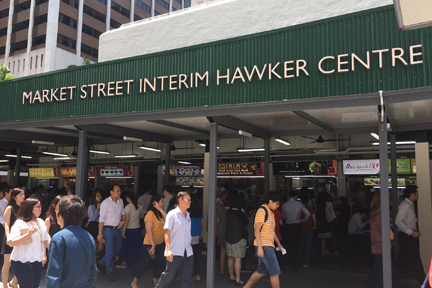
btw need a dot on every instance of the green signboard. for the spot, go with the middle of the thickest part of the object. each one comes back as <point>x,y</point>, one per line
<point>350,55</point>
<point>403,166</point>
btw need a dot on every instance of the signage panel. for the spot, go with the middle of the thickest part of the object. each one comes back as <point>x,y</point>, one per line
<point>70,172</point>
<point>361,167</point>
<point>241,169</point>
<point>43,172</point>
<point>114,171</point>
<point>305,168</point>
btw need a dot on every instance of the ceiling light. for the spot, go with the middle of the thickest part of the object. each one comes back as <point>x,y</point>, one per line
<point>54,154</point>
<point>204,145</point>
<point>184,162</point>
<point>250,149</point>
<point>282,141</point>
<point>173,148</point>
<point>4,160</point>
<point>375,136</point>
<point>64,158</point>
<point>150,149</point>
<point>397,143</point>
<point>246,134</point>
<point>42,142</point>
<point>15,156</point>
<point>126,138</point>
<point>99,152</point>
<point>126,156</point>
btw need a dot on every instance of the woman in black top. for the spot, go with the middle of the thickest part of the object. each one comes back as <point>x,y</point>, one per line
<point>236,240</point>
<point>343,215</point>
<point>51,217</point>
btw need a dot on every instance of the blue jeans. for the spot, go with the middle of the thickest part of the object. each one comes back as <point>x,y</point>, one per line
<point>132,243</point>
<point>268,264</point>
<point>113,244</point>
<point>306,246</point>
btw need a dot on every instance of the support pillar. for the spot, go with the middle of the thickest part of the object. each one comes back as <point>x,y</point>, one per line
<point>82,165</point>
<point>341,183</point>
<point>17,167</point>
<point>385,202</point>
<point>394,193</point>
<point>167,164</point>
<point>266,166</point>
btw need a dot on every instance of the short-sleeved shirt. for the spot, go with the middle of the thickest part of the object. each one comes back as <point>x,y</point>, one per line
<point>111,212</point>
<point>180,237</point>
<point>134,216</point>
<point>268,229</point>
<point>278,216</point>
<point>157,229</point>
<point>307,225</point>
<point>144,201</point>
<point>3,205</point>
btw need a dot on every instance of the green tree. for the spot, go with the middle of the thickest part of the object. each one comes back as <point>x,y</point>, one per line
<point>5,73</point>
<point>86,61</point>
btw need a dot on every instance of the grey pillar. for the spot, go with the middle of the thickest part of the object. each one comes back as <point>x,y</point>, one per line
<point>266,166</point>
<point>17,167</point>
<point>167,164</point>
<point>212,174</point>
<point>394,193</point>
<point>82,164</point>
<point>385,203</point>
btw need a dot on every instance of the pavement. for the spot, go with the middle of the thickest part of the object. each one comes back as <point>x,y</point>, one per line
<point>323,275</point>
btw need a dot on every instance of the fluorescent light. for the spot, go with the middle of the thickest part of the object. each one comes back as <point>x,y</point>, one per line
<point>42,142</point>
<point>184,162</point>
<point>246,134</point>
<point>15,156</point>
<point>4,160</point>
<point>150,149</point>
<point>126,156</point>
<point>397,143</point>
<point>282,141</point>
<point>375,136</point>
<point>54,154</point>
<point>126,138</point>
<point>120,177</point>
<point>99,152</point>
<point>296,178</point>
<point>250,149</point>
<point>64,158</point>
<point>204,145</point>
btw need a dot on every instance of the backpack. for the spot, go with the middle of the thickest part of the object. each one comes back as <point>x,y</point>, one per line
<point>265,217</point>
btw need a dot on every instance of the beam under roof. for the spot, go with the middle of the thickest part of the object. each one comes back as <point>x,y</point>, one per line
<point>29,136</point>
<point>313,120</point>
<point>179,126</point>
<point>237,124</point>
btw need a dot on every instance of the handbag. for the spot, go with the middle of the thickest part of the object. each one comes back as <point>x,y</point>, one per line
<point>425,283</point>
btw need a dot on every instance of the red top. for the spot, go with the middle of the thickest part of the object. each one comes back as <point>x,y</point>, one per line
<point>308,225</point>
<point>375,235</point>
<point>278,216</point>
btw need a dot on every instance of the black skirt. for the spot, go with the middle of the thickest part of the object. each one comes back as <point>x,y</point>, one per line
<point>93,229</point>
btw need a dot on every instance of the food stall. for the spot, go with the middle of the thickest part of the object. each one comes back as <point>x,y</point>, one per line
<point>110,175</point>
<point>47,177</point>
<point>69,176</point>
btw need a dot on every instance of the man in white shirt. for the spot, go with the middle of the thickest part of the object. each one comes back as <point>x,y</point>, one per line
<point>167,193</point>
<point>358,222</point>
<point>178,249</point>
<point>111,220</point>
<point>409,246</point>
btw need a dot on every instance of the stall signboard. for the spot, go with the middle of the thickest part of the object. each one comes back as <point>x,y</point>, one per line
<point>184,170</point>
<point>43,172</point>
<point>371,167</point>
<point>377,181</point>
<point>114,171</point>
<point>403,166</point>
<point>240,169</point>
<point>70,172</point>
<point>413,166</point>
<point>188,181</point>
<point>305,168</point>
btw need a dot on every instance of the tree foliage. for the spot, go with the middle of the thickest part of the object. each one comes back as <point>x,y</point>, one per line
<point>5,73</point>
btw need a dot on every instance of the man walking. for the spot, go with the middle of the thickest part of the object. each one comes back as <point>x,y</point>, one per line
<point>167,192</point>
<point>264,243</point>
<point>291,212</point>
<point>409,246</point>
<point>111,220</point>
<point>178,248</point>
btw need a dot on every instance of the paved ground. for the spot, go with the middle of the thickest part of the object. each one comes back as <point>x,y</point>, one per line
<point>316,276</point>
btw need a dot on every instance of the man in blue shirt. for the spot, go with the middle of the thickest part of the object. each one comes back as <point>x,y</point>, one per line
<point>291,212</point>
<point>72,255</point>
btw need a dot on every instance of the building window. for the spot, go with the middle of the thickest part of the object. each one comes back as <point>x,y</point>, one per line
<point>39,40</point>
<point>156,13</point>
<point>20,26</point>
<point>39,2</point>
<point>120,9</point>
<point>89,50</point>
<point>3,31</point>
<point>31,62</point>
<point>2,50</point>
<point>21,7</point>
<point>173,9</point>
<point>68,21</point>
<point>36,59</point>
<point>95,14</point>
<point>18,46</point>
<point>66,41</point>
<point>143,6</point>
<point>114,24</point>
<point>19,64</point>
<point>40,19</point>
<point>23,64</point>
<point>41,60</point>
<point>163,4</point>
<point>73,3</point>
<point>178,1</point>
<point>137,18</point>
<point>103,2</point>
<point>4,13</point>
<point>91,31</point>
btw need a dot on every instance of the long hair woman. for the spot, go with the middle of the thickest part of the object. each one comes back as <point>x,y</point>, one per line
<point>51,217</point>
<point>154,243</point>
<point>376,245</point>
<point>29,237</point>
<point>10,215</point>
<point>93,221</point>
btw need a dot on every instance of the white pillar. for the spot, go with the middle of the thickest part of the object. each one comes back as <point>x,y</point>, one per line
<point>9,32</point>
<point>340,180</point>
<point>170,6</point>
<point>51,36</point>
<point>132,15</point>
<point>153,8</point>
<point>425,201</point>
<point>183,4</point>
<point>108,16</point>
<point>79,32</point>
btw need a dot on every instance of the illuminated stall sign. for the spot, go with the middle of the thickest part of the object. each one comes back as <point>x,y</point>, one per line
<point>43,172</point>
<point>240,169</point>
<point>114,171</point>
<point>305,168</point>
<point>70,172</point>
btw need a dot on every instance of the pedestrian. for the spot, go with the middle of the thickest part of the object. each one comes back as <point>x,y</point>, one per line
<point>236,238</point>
<point>323,227</point>
<point>168,195</point>
<point>265,237</point>
<point>29,237</point>
<point>197,228</point>
<point>72,257</point>
<point>376,245</point>
<point>343,217</point>
<point>154,244</point>
<point>291,211</point>
<point>51,218</point>
<point>93,221</point>
<point>308,228</point>
<point>16,198</point>
<point>221,224</point>
<point>409,246</point>
<point>111,221</point>
<point>131,230</point>
<point>178,251</point>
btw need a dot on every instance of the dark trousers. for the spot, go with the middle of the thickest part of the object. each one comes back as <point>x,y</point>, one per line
<point>132,243</point>
<point>181,264</point>
<point>409,253</point>
<point>306,246</point>
<point>197,254</point>
<point>250,252</point>
<point>292,240</point>
<point>28,274</point>
<point>377,273</point>
<point>158,263</point>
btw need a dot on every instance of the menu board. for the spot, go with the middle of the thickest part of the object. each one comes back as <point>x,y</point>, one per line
<point>372,167</point>
<point>43,172</point>
<point>305,168</point>
<point>185,170</point>
<point>377,181</point>
<point>240,169</point>
<point>114,171</point>
<point>187,181</point>
<point>70,172</point>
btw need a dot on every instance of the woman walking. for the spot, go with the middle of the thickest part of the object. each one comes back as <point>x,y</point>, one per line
<point>93,221</point>
<point>51,217</point>
<point>323,227</point>
<point>29,237</point>
<point>10,215</point>
<point>197,226</point>
<point>154,242</point>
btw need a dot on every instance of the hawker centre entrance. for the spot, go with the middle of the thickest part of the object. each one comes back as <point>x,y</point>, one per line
<point>311,90</point>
